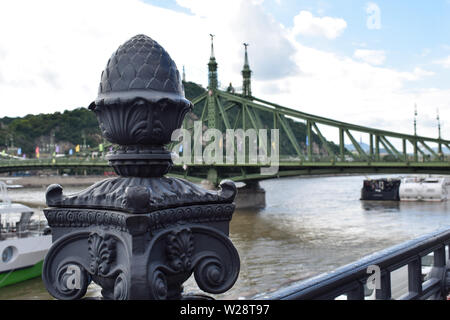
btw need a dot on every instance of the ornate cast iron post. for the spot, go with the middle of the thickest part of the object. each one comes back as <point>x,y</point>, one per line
<point>140,235</point>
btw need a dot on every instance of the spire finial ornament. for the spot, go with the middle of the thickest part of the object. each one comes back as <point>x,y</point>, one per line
<point>212,44</point>
<point>246,56</point>
<point>246,75</point>
<point>415,119</point>
<point>439,123</point>
<point>212,67</point>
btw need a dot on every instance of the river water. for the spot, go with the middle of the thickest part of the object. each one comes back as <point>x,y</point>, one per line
<point>309,226</point>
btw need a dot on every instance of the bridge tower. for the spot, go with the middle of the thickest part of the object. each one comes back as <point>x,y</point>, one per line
<point>439,133</point>
<point>246,75</point>
<point>213,121</point>
<point>212,67</point>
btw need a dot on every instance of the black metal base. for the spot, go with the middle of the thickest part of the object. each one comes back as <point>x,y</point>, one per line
<point>140,161</point>
<point>140,256</point>
<point>140,194</point>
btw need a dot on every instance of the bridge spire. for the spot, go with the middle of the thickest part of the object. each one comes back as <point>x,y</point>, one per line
<point>439,134</point>
<point>213,114</point>
<point>246,75</point>
<point>212,67</point>
<point>439,123</point>
<point>415,121</point>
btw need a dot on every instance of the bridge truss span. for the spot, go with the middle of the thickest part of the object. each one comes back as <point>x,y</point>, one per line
<point>304,148</point>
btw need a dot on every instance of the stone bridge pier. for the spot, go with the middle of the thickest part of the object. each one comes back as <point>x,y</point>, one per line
<point>250,196</point>
<point>140,235</point>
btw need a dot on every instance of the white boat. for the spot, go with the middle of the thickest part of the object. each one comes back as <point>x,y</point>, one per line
<point>425,188</point>
<point>23,242</point>
<point>9,183</point>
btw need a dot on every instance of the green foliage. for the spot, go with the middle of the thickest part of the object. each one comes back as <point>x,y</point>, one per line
<point>391,158</point>
<point>192,90</point>
<point>67,127</point>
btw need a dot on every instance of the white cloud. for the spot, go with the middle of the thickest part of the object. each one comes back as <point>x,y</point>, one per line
<point>54,51</point>
<point>268,42</point>
<point>375,57</point>
<point>420,73</point>
<point>345,89</point>
<point>444,62</point>
<point>308,25</point>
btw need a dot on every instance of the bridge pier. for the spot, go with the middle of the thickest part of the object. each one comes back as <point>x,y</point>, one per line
<point>250,196</point>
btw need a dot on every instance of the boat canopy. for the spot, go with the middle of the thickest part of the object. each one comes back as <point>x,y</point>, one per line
<point>6,206</point>
<point>14,208</point>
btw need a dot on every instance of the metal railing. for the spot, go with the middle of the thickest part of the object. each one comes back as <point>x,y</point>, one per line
<point>350,281</point>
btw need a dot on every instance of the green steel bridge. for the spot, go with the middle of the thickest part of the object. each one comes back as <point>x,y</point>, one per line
<point>225,109</point>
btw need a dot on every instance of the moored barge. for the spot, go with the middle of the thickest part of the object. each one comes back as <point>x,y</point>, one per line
<point>381,189</point>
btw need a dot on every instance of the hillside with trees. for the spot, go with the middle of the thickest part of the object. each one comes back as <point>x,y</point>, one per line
<point>66,129</point>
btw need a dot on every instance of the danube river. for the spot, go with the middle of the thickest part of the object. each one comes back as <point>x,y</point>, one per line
<point>309,226</point>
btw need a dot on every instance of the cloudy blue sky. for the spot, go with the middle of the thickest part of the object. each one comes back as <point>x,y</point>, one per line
<point>365,62</point>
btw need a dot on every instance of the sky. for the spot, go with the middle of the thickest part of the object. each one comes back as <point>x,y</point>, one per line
<point>363,62</point>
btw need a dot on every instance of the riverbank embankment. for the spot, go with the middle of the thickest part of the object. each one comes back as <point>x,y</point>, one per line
<point>44,181</point>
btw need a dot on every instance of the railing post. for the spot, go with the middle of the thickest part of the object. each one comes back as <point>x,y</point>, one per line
<point>441,271</point>
<point>446,286</point>
<point>415,277</point>
<point>384,293</point>
<point>140,235</point>
<point>357,293</point>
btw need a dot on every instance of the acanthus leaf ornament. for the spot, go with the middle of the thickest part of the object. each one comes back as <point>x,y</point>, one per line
<point>102,253</point>
<point>180,247</point>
